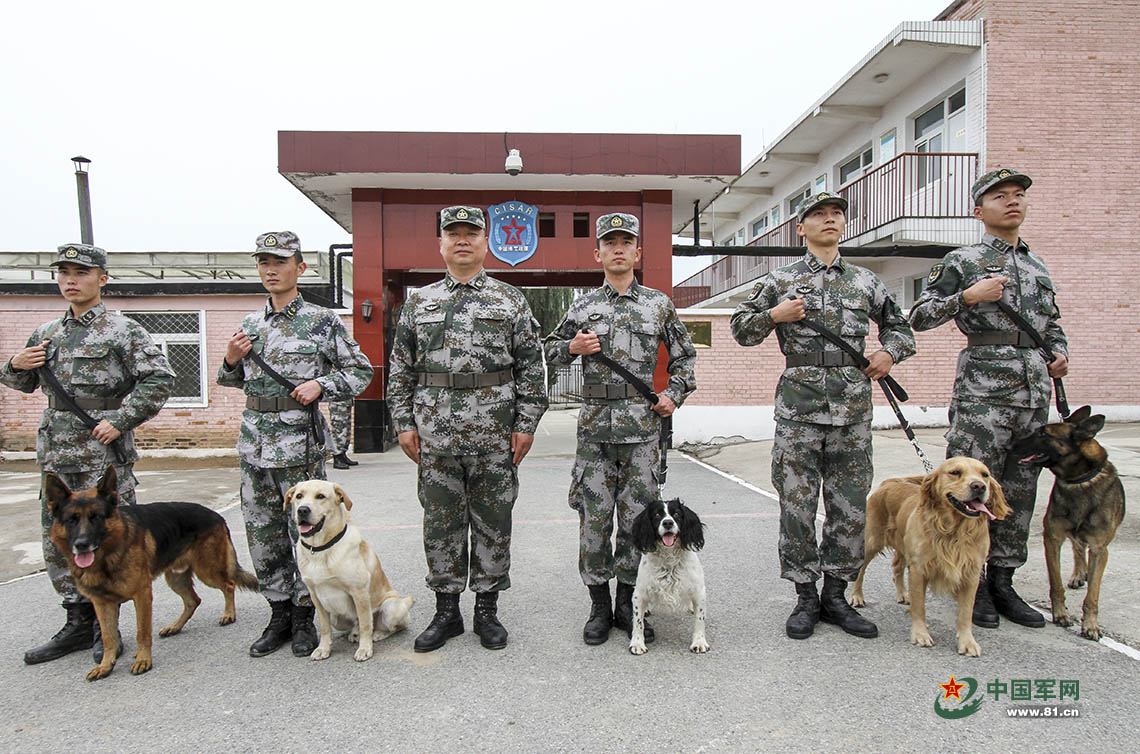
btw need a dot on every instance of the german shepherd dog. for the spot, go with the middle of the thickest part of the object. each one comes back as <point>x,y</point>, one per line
<point>115,553</point>
<point>1086,506</point>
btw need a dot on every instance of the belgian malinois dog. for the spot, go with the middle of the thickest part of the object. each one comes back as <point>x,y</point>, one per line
<point>114,554</point>
<point>1086,506</point>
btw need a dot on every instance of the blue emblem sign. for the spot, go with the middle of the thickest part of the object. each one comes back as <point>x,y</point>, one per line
<point>514,231</point>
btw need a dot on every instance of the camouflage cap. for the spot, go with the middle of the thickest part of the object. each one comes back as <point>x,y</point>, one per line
<point>81,254</point>
<point>823,197</point>
<point>281,243</point>
<point>617,221</point>
<point>460,214</point>
<point>996,178</point>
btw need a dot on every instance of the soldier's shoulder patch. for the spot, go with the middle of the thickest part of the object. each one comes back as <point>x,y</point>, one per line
<point>935,273</point>
<point>756,290</point>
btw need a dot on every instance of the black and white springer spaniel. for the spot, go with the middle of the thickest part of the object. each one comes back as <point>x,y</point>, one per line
<point>670,576</point>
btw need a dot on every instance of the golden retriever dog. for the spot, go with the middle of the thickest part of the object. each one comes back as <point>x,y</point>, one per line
<point>938,527</point>
<point>349,588</point>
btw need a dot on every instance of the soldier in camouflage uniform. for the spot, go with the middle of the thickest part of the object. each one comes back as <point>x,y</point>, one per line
<point>616,466</point>
<point>340,417</point>
<point>306,344</point>
<point>1002,388</point>
<point>465,391</point>
<point>823,409</point>
<point>117,374</point>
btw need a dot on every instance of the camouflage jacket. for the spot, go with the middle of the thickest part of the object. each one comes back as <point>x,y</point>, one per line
<point>629,327</point>
<point>303,342</point>
<point>1004,375</point>
<point>844,298</point>
<point>99,355</point>
<point>481,326</point>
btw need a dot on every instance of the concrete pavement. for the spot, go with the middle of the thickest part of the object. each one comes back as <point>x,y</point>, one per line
<point>756,689</point>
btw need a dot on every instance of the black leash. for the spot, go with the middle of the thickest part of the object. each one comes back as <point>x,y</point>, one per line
<point>891,388</point>
<point>665,437</point>
<point>313,410</point>
<point>69,403</point>
<point>1023,325</point>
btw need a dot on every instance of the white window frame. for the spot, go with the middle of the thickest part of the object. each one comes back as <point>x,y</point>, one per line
<point>162,339</point>
<point>922,144</point>
<point>865,166</point>
<point>801,195</point>
<point>762,221</point>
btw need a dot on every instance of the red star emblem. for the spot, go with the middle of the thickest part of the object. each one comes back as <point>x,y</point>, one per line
<point>952,689</point>
<point>514,232</point>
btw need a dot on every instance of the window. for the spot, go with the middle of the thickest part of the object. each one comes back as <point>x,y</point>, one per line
<point>581,224</point>
<point>546,225</point>
<point>701,333</point>
<point>775,216</point>
<point>820,184</point>
<point>740,237</point>
<point>930,135</point>
<point>796,200</point>
<point>857,166</point>
<point>759,226</point>
<point>730,241</point>
<point>917,286</point>
<point>180,336</point>
<point>887,147</point>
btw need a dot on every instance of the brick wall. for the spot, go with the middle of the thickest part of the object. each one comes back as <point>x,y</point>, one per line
<point>214,426</point>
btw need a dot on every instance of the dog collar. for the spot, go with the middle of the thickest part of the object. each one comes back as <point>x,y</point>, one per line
<point>1087,477</point>
<point>326,545</point>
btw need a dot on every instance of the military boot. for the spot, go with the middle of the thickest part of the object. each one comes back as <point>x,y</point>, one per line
<point>348,460</point>
<point>491,633</point>
<point>279,630</point>
<point>833,608</point>
<point>97,643</point>
<point>623,612</point>
<point>801,623</point>
<point>601,619</point>
<point>985,614</point>
<point>340,461</point>
<point>1007,602</point>
<point>75,635</point>
<point>446,624</point>
<point>304,632</point>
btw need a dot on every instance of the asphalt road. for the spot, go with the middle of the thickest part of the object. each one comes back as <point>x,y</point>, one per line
<point>547,691</point>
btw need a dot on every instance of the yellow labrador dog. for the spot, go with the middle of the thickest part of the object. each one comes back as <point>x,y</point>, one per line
<point>347,584</point>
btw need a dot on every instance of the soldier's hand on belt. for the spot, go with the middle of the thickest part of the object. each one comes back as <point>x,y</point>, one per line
<point>664,407</point>
<point>1059,367</point>
<point>585,342</point>
<point>988,289</point>
<point>410,444</point>
<point>237,348</point>
<point>32,357</point>
<point>880,366</point>
<point>520,445</point>
<point>788,310</point>
<point>307,392</point>
<point>105,432</point>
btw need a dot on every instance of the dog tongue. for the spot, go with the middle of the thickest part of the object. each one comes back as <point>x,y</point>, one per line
<point>979,506</point>
<point>305,528</point>
<point>668,539</point>
<point>84,559</point>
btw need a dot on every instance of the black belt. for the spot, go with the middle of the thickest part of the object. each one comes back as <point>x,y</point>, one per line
<point>820,359</point>
<point>465,380</point>
<point>1001,338</point>
<point>274,404</point>
<point>88,404</point>
<point>610,392</point>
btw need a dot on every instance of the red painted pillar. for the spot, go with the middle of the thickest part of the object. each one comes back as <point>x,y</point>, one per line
<point>657,258</point>
<point>367,280</point>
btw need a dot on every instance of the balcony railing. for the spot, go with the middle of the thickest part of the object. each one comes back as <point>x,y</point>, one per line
<point>912,185</point>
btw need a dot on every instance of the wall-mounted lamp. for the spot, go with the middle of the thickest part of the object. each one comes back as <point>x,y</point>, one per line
<point>366,309</point>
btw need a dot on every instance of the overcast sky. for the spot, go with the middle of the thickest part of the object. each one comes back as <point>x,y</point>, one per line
<point>178,104</point>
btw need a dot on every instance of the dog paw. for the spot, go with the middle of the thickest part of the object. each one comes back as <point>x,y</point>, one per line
<point>921,637</point>
<point>856,600</point>
<point>969,647</point>
<point>699,647</point>
<point>226,620</point>
<point>637,648</point>
<point>322,652</point>
<point>902,599</point>
<point>362,654</point>
<point>170,630</point>
<point>140,665</point>
<point>1061,618</point>
<point>99,671</point>
<point>1076,581</point>
<point>1090,630</point>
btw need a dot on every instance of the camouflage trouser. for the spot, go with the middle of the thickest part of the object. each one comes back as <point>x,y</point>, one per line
<point>803,455</point>
<point>985,432</point>
<point>609,477</point>
<point>468,495</point>
<point>57,569</point>
<point>270,528</point>
<point>340,417</point>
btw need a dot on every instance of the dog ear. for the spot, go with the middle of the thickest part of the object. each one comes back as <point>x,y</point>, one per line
<point>1087,428</point>
<point>342,497</point>
<point>928,494</point>
<point>108,487</point>
<point>997,501</point>
<point>1079,415</point>
<point>55,492</point>
<point>643,534</point>
<point>692,530</point>
<point>288,498</point>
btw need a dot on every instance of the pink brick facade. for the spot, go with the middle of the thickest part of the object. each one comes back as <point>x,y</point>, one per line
<point>214,426</point>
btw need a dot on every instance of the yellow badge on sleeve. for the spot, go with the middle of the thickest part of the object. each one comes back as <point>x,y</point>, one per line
<point>935,273</point>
